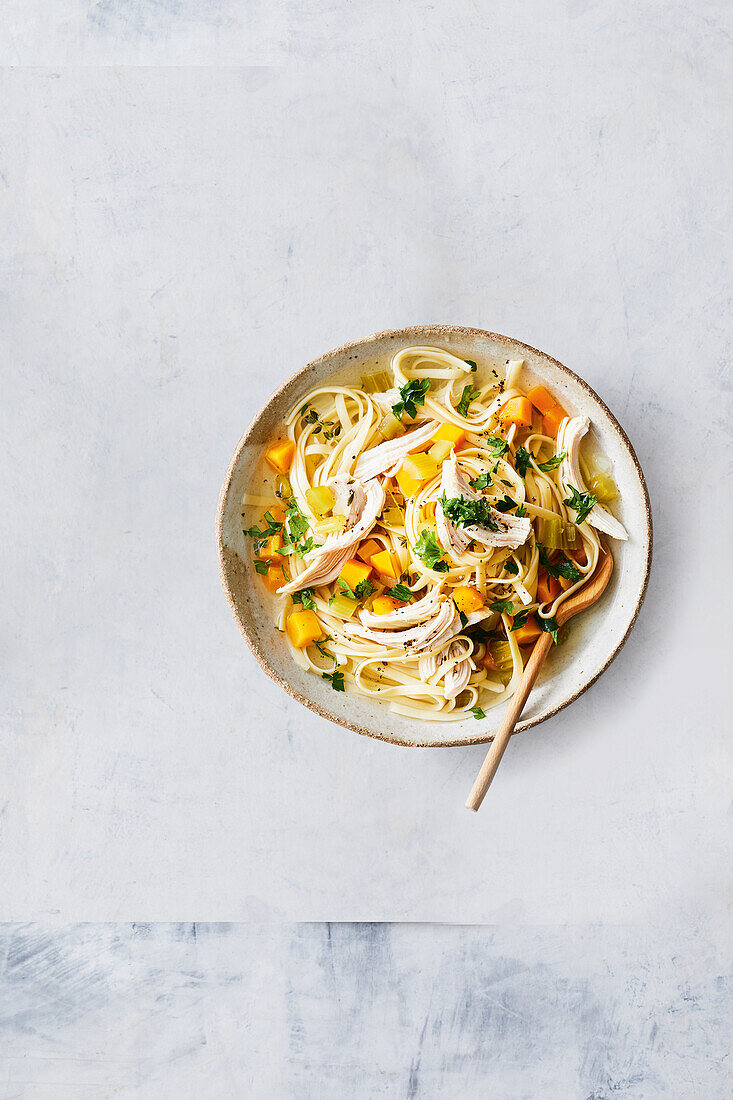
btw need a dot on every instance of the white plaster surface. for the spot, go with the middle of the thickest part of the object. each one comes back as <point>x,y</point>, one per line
<point>354,1012</point>
<point>176,241</point>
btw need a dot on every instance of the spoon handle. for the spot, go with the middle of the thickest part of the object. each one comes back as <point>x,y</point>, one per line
<point>505,730</point>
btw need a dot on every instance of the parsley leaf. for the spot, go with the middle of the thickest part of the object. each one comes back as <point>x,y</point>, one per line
<point>400,592</point>
<point>521,461</point>
<point>511,566</point>
<point>497,445</point>
<point>561,568</point>
<point>429,551</point>
<point>483,481</point>
<point>504,607</point>
<point>477,713</point>
<point>464,618</point>
<point>336,678</point>
<point>411,395</point>
<point>521,511</point>
<point>519,620</point>
<point>272,527</point>
<point>582,503</point>
<point>467,397</point>
<point>261,567</point>
<point>466,513</point>
<point>505,504</point>
<point>471,364</point>
<point>552,463</point>
<point>363,589</point>
<point>305,596</point>
<point>549,626</point>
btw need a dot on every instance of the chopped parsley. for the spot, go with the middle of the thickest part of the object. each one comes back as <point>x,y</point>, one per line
<point>552,463</point>
<point>468,396</point>
<point>272,527</point>
<point>336,678</point>
<point>430,553</point>
<point>411,395</point>
<point>582,503</point>
<point>467,513</point>
<point>561,568</point>
<point>497,445</point>
<point>521,461</point>
<point>400,592</point>
<point>521,511</point>
<point>472,365</point>
<point>296,526</point>
<point>305,596</point>
<point>483,481</point>
<point>511,566</point>
<point>261,567</point>
<point>505,504</point>
<point>477,713</point>
<point>362,590</point>
<point>549,626</point>
<point>464,618</point>
<point>504,607</point>
<point>519,620</point>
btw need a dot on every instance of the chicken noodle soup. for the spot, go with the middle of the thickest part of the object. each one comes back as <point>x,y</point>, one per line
<point>419,531</point>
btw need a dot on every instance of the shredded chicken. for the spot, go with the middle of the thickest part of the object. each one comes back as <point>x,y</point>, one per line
<point>512,531</point>
<point>441,625</point>
<point>385,456</point>
<point>361,504</point>
<point>455,678</point>
<point>408,615</point>
<point>569,438</point>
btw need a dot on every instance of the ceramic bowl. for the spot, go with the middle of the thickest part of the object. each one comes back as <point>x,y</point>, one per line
<point>594,638</point>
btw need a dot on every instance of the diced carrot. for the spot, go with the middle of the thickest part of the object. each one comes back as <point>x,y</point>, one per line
<point>467,599</point>
<point>303,628</point>
<point>269,549</point>
<point>528,633</point>
<point>552,420</point>
<point>541,399</point>
<point>274,578</point>
<point>280,455</point>
<point>354,572</point>
<point>367,549</point>
<point>517,410</point>
<point>277,512</point>
<point>565,583</point>
<point>386,564</point>
<point>488,662</point>
<point>548,587</point>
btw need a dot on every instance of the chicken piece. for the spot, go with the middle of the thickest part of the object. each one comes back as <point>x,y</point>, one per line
<point>404,616</point>
<point>442,624</point>
<point>387,456</point>
<point>569,438</point>
<point>512,531</point>
<point>455,677</point>
<point>361,504</point>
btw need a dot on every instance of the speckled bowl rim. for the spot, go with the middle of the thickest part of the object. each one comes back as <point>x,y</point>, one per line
<point>421,332</point>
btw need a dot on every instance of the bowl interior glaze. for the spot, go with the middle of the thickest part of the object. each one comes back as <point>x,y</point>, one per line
<point>594,638</point>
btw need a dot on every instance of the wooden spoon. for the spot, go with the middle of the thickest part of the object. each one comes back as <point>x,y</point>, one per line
<point>582,599</point>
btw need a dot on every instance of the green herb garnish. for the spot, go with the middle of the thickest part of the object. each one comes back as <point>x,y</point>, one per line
<point>504,607</point>
<point>505,504</point>
<point>521,461</point>
<point>561,568</point>
<point>336,678</point>
<point>519,620</point>
<point>468,396</point>
<point>411,395</point>
<point>483,481</point>
<point>552,463</point>
<point>497,446</point>
<point>471,364</point>
<point>467,513</point>
<point>261,567</point>
<point>582,503</point>
<point>477,713</point>
<point>464,618</point>
<point>549,626</point>
<point>511,566</point>
<point>521,511</point>
<point>362,590</point>
<point>400,592</point>
<point>305,596</point>
<point>324,652</point>
<point>429,551</point>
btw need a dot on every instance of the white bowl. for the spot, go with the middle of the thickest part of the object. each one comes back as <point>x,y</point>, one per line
<point>595,637</point>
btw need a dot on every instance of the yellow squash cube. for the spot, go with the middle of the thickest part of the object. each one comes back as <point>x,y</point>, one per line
<point>354,572</point>
<point>385,605</point>
<point>269,549</point>
<point>367,548</point>
<point>467,599</point>
<point>280,455</point>
<point>386,564</point>
<point>415,471</point>
<point>303,628</point>
<point>449,433</point>
<point>274,578</point>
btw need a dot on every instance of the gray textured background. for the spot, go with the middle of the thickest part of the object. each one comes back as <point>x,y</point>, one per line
<point>195,199</point>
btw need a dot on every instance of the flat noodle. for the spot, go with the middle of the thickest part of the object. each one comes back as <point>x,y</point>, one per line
<point>330,429</point>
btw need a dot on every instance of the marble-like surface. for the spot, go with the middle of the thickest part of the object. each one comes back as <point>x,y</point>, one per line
<point>409,1012</point>
<point>175,241</point>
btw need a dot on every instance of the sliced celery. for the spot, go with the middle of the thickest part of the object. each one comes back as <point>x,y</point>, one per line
<point>393,517</point>
<point>343,606</point>
<point>603,487</point>
<point>331,525</point>
<point>389,427</point>
<point>320,500</point>
<point>283,488</point>
<point>550,533</point>
<point>377,382</point>
<point>571,539</point>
